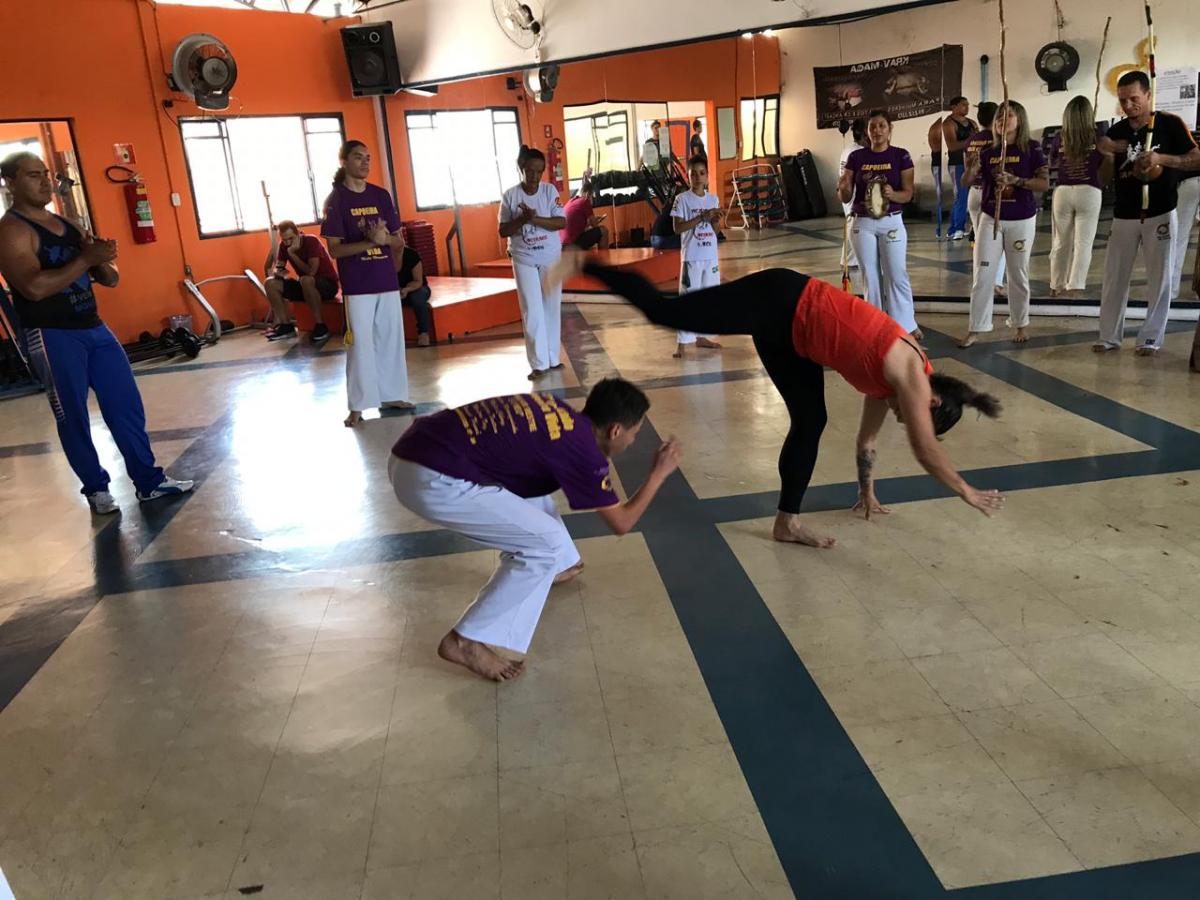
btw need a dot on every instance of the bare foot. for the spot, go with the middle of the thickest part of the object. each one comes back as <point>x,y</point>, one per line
<point>479,658</point>
<point>678,354</point>
<point>1057,292</point>
<point>355,418</point>
<point>708,344</point>
<point>568,574</point>
<point>1020,337</point>
<point>398,404</point>
<point>536,373</point>
<point>1101,347</point>
<point>788,529</point>
<point>969,341</point>
<point>917,334</point>
<point>558,366</point>
<point>1146,351</point>
<point>1000,291</point>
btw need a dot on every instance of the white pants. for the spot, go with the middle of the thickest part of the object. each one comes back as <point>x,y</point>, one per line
<point>692,277</point>
<point>1075,212</point>
<point>1156,237</point>
<point>533,542</point>
<point>882,248</point>
<point>974,208</point>
<point>376,371</point>
<point>849,257</point>
<point>1185,211</point>
<point>541,315</point>
<point>1015,245</point>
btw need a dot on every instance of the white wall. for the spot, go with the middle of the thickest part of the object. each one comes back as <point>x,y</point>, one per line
<point>975,25</point>
<point>444,40</point>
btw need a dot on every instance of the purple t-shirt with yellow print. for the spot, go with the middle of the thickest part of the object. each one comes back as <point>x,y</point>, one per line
<point>873,165</point>
<point>1017,203</point>
<point>530,444</point>
<point>351,216</point>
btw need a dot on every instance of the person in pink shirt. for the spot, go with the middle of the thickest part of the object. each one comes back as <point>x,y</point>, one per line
<point>583,225</point>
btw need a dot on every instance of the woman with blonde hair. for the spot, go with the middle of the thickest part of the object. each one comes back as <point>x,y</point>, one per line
<point>1082,173</point>
<point>1012,177</point>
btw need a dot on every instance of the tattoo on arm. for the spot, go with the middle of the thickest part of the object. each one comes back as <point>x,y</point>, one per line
<point>866,462</point>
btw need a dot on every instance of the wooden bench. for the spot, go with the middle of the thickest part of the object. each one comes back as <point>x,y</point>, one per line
<point>657,266</point>
<point>459,306</point>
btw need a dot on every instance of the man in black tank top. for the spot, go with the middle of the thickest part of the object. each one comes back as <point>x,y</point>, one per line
<point>956,129</point>
<point>50,267</point>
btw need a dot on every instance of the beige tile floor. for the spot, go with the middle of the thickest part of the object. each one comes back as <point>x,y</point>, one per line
<point>1025,690</point>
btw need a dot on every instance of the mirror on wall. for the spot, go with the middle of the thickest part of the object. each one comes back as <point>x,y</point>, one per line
<point>54,142</point>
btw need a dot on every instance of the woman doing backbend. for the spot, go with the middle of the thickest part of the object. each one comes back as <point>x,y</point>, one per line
<point>800,325</point>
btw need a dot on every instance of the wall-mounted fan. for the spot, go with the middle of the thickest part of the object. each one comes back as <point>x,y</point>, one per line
<point>541,83</point>
<point>204,69</point>
<point>521,22</point>
<point>1055,64</point>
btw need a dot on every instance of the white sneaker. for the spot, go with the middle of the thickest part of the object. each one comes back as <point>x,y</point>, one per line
<point>957,236</point>
<point>169,488</point>
<point>102,503</point>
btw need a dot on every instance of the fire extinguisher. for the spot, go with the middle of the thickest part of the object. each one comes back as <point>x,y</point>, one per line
<point>555,164</point>
<point>137,203</point>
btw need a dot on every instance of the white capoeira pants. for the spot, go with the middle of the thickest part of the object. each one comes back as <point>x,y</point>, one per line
<point>376,371</point>
<point>533,542</point>
<point>882,248</point>
<point>974,209</point>
<point>1075,211</point>
<point>1156,238</point>
<point>541,314</point>
<point>1014,244</point>
<point>1185,212</point>
<point>692,277</point>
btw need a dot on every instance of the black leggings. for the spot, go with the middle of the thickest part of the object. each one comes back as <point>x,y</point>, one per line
<point>763,306</point>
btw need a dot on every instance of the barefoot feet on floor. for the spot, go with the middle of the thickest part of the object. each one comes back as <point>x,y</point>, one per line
<point>1101,347</point>
<point>1021,336</point>
<point>970,340</point>
<point>707,343</point>
<point>1146,350</point>
<point>678,354</point>
<point>355,418</point>
<point>398,404</point>
<point>536,374</point>
<point>568,574</point>
<point>479,658</point>
<point>788,529</point>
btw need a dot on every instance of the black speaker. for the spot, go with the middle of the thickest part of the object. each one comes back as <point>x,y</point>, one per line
<point>371,58</point>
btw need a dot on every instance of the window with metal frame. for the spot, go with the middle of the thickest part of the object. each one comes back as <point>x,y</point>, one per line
<point>760,127</point>
<point>230,159</point>
<point>606,134</point>
<point>464,156</point>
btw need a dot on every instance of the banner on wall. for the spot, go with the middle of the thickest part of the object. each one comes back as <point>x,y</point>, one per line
<point>907,86</point>
<point>1176,93</point>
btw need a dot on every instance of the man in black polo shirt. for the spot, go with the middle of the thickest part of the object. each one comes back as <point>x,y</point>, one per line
<point>1152,227</point>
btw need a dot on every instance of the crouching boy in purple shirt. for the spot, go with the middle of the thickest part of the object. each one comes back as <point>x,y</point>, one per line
<point>488,471</point>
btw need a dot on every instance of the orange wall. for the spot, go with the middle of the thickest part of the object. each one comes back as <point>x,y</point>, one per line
<point>717,72</point>
<point>107,74</point>
<point>105,70</point>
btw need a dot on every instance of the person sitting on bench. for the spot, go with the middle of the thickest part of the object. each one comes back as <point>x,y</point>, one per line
<point>316,281</point>
<point>583,225</point>
<point>415,292</point>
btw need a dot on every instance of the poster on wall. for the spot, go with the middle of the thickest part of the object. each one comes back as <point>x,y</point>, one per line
<point>907,86</point>
<point>1177,93</point>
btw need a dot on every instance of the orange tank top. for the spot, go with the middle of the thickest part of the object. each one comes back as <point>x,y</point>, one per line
<point>849,335</point>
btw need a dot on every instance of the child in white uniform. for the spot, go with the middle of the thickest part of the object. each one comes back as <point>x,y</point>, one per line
<point>531,215</point>
<point>697,215</point>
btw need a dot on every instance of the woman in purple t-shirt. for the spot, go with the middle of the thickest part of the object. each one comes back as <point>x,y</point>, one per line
<point>362,229</point>
<point>1016,177</point>
<point>878,180</point>
<point>1082,173</point>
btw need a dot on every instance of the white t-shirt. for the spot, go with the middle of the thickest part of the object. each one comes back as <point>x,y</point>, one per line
<point>850,148</point>
<point>698,244</point>
<point>533,245</point>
